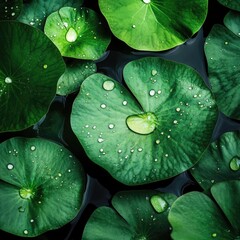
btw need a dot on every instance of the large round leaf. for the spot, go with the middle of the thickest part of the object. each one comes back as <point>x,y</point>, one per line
<point>134,217</point>
<point>10,10</point>
<point>232,4</point>
<point>196,216</point>
<point>41,186</point>
<point>35,12</point>
<point>220,162</point>
<point>29,71</point>
<point>74,75</point>
<point>232,22</point>
<point>223,52</point>
<point>158,134</point>
<point>78,33</point>
<point>154,25</point>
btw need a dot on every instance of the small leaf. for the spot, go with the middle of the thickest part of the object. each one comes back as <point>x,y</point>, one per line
<point>36,179</point>
<point>78,33</point>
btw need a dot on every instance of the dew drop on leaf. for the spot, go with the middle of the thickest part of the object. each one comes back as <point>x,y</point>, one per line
<point>21,209</point>
<point>8,80</point>
<point>147,1</point>
<point>33,148</point>
<point>158,203</point>
<point>10,166</point>
<point>111,126</point>
<point>71,35</point>
<point>108,85</point>
<point>152,93</point>
<point>235,163</point>
<point>25,232</point>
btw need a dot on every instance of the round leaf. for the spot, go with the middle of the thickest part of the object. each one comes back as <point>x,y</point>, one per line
<point>10,10</point>
<point>232,4</point>
<point>175,108</point>
<point>29,72</point>
<point>133,218</point>
<point>222,52</point>
<point>74,75</point>
<point>220,162</point>
<point>196,216</point>
<point>41,186</point>
<point>153,25</point>
<point>232,22</point>
<point>78,33</point>
<point>226,195</point>
<point>35,12</point>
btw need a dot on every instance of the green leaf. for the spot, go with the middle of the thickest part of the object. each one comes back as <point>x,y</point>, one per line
<point>226,195</point>
<point>220,162</point>
<point>9,10</point>
<point>36,179</point>
<point>232,22</point>
<point>153,25</point>
<point>133,218</point>
<point>35,12</point>
<point>172,106</point>
<point>222,52</point>
<point>232,4</point>
<point>195,216</point>
<point>78,33</point>
<point>74,75</point>
<point>29,71</point>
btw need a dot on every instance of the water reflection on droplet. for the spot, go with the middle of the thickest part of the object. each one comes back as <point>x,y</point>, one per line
<point>10,166</point>
<point>108,85</point>
<point>158,203</point>
<point>235,163</point>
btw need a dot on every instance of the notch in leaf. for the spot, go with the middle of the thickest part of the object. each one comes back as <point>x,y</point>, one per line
<point>135,216</point>
<point>157,132</point>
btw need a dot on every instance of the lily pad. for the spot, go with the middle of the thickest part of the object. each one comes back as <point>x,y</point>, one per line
<point>147,136</point>
<point>220,162</point>
<point>153,25</point>
<point>197,216</point>
<point>223,52</point>
<point>35,12</point>
<point>232,22</point>
<point>29,72</point>
<point>232,4</point>
<point>36,179</point>
<point>133,217</point>
<point>74,75</point>
<point>78,33</point>
<point>9,10</point>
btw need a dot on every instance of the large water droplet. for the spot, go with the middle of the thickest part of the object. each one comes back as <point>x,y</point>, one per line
<point>71,35</point>
<point>154,71</point>
<point>142,123</point>
<point>108,85</point>
<point>235,163</point>
<point>26,193</point>
<point>152,93</point>
<point>158,203</point>
<point>147,1</point>
<point>8,80</point>
<point>10,166</point>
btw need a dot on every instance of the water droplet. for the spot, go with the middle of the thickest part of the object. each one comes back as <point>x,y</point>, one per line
<point>69,170</point>
<point>119,151</point>
<point>157,141</point>
<point>158,203</point>
<point>45,66</point>
<point>71,35</point>
<point>142,123</point>
<point>226,43</point>
<point>152,92</point>
<point>65,24</point>
<point>26,193</point>
<point>154,72</point>
<point>178,109</point>
<point>140,149</point>
<point>33,148</point>
<point>166,155</point>
<point>235,163</point>
<point>133,26</point>
<point>32,220</point>
<point>21,209</point>
<point>124,103</point>
<point>147,1</point>
<point>101,150</point>
<point>100,140</point>
<point>175,122</point>
<point>10,166</point>
<point>103,106</point>
<point>25,232</point>
<point>108,85</point>
<point>195,95</point>
<point>13,13</point>
<point>214,235</point>
<point>159,91</point>
<point>111,126</point>
<point>8,80</point>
